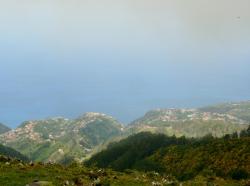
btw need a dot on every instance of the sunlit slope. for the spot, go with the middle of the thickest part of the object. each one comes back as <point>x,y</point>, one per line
<point>241,110</point>
<point>194,122</point>
<point>60,139</point>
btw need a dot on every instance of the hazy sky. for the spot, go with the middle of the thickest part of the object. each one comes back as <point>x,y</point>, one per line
<point>120,57</point>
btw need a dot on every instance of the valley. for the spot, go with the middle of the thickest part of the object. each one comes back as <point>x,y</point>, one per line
<point>203,146</point>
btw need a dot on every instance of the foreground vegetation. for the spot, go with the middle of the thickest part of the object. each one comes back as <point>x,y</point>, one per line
<point>184,159</point>
<point>16,173</point>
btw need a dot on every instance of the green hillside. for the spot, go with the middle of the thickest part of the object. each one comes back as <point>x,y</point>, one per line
<point>60,139</point>
<point>145,159</point>
<point>240,110</point>
<point>17,173</point>
<point>65,140</point>
<point>193,122</point>
<point>185,159</point>
<point>151,151</point>
<point>9,152</point>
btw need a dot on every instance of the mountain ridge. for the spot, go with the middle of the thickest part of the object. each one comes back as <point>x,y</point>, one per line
<point>192,122</point>
<point>57,139</point>
<point>4,128</point>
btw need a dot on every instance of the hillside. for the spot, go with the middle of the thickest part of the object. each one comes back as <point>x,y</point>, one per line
<point>140,157</point>
<point>185,159</point>
<point>193,122</point>
<point>11,153</point>
<point>4,128</point>
<point>240,110</point>
<point>62,140</point>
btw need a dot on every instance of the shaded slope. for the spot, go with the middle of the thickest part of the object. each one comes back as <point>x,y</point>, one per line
<point>9,152</point>
<point>227,157</point>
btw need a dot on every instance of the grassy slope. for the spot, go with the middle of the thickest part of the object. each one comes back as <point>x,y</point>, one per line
<point>7,151</point>
<point>21,174</point>
<point>196,128</point>
<point>182,125</point>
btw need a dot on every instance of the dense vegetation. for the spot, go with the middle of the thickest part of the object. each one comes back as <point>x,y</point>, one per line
<point>16,173</point>
<point>227,157</point>
<point>125,154</point>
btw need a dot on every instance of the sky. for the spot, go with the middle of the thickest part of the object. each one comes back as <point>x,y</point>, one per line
<point>120,57</point>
